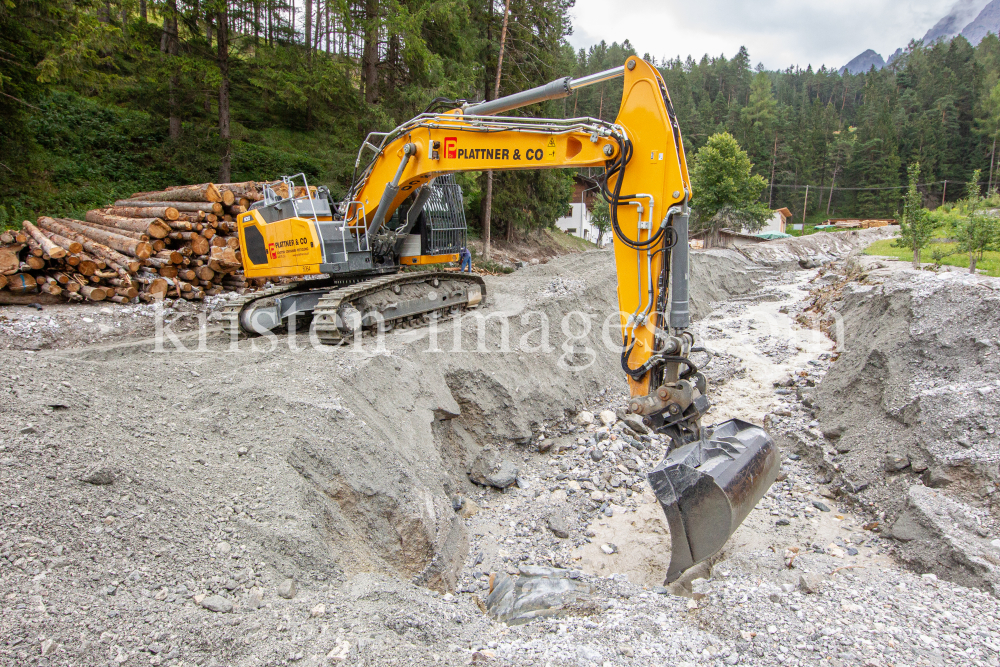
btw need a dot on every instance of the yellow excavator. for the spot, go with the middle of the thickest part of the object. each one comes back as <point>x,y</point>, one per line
<point>404,209</point>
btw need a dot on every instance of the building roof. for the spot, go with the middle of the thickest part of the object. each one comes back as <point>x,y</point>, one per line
<point>784,212</point>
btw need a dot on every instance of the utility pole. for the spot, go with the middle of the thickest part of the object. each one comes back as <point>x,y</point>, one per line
<point>488,208</point>
<point>944,193</point>
<point>993,153</point>
<point>774,162</point>
<point>805,206</point>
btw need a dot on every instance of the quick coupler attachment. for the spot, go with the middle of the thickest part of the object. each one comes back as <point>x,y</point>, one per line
<point>707,487</point>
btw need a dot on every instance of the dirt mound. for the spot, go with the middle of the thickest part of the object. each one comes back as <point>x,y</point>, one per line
<point>814,249</point>
<point>912,398</point>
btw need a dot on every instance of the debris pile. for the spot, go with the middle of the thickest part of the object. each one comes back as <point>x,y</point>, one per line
<point>181,242</point>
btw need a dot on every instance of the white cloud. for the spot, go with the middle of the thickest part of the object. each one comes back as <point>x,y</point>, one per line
<point>778,33</point>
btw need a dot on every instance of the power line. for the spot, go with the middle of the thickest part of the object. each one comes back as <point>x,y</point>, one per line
<point>887,187</point>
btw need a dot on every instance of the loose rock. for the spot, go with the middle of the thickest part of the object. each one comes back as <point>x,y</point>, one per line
<point>217,603</point>
<point>287,589</point>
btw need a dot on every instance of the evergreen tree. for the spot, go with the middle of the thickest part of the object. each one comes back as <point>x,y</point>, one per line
<point>916,226</point>
<point>976,231</point>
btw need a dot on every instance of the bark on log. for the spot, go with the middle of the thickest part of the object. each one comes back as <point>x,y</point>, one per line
<point>165,213</point>
<point>171,256</point>
<point>119,262</point>
<point>201,192</point>
<point>93,293</point>
<point>250,189</point>
<point>149,225</point>
<point>180,225</point>
<point>181,206</point>
<point>122,244</point>
<point>20,283</point>
<point>168,271</point>
<point>6,238</point>
<point>69,245</point>
<point>34,248</point>
<point>138,236</point>
<point>51,249</point>
<point>197,242</point>
<point>205,273</point>
<point>50,286</point>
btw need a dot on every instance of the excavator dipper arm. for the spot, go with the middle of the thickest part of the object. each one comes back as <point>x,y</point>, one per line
<point>713,476</point>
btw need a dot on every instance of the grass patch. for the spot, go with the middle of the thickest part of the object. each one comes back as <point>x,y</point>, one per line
<point>990,263</point>
<point>568,241</point>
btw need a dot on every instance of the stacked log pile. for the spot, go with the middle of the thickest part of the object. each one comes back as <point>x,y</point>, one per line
<point>181,242</point>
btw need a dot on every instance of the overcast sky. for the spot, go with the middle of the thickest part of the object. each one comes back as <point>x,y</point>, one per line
<point>776,32</point>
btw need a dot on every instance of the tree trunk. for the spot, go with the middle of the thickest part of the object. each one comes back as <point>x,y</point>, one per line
<point>69,245</point>
<point>916,257</point>
<point>120,263</point>
<point>167,213</point>
<point>487,212</point>
<point>223,40</point>
<point>205,192</point>
<point>142,10</point>
<point>369,57</point>
<point>833,180</point>
<point>179,206</point>
<point>118,242</point>
<point>48,246</point>
<point>151,226</point>
<point>972,263</point>
<point>169,45</point>
<point>309,25</point>
<point>993,154</point>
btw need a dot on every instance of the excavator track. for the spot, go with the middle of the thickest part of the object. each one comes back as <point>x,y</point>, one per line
<point>230,315</point>
<point>329,315</point>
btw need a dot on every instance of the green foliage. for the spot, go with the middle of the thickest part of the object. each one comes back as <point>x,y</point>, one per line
<point>947,254</point>
<point>726,191</point>
<point>977,231</point>
<point>917,226</point>
<point>600,217</point>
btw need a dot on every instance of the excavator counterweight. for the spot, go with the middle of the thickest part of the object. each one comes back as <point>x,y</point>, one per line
<point>402,209</point>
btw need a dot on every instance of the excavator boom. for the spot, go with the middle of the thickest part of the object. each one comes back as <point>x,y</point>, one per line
<point>713,476</point>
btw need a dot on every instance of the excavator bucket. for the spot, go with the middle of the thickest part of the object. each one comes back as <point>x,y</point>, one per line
<point>707,488</point>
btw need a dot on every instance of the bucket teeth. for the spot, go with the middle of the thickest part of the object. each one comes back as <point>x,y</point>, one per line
<point>707,488</point>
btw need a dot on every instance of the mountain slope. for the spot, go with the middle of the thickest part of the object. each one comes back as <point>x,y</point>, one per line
<point>988,20</point>
<point>960,15</point>
<point>864,62</point>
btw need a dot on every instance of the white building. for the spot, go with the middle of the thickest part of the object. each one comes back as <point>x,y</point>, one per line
<point>577,218</point>
<point>778,222</point>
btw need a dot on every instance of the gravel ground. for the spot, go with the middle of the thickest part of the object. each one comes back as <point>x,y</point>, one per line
<point>228,482</point>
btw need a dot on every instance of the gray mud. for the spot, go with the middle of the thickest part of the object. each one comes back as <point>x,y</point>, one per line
<point>158,502</point>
